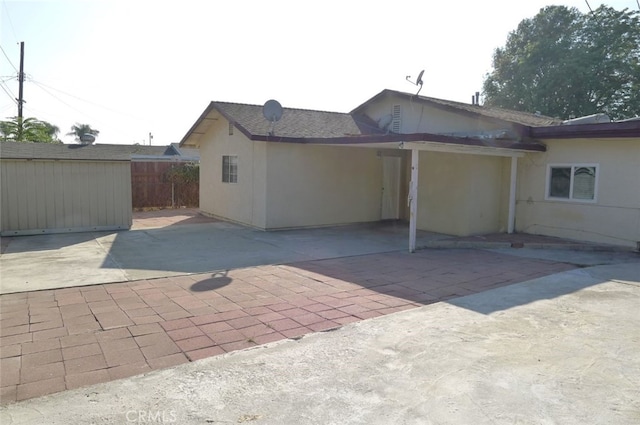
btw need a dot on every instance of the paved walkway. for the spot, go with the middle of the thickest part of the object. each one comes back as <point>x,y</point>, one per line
<point>55,340</point>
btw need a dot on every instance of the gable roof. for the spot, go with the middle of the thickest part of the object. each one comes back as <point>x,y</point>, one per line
<point>295,123</point>
<point>28,150</point>
<point>322,127</point>
<point>490,112</point>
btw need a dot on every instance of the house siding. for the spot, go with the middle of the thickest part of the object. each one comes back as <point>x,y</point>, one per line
<point>615,216</point>
<point>461,194</point>
<point>46,196</point>
<point>322,185</point>
<point>421,118</point>
<point>244,201</point>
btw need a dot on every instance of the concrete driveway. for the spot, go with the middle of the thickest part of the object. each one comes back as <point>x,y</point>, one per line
<point>31,263</point>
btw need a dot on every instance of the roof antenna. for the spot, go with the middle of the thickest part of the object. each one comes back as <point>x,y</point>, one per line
<point>272,112</point>
<point>418,81</point>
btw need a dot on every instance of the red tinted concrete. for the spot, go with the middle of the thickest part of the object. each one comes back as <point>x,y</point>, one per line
<point>67,338</point>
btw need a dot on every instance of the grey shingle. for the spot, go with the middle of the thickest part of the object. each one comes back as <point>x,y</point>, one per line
<point>105,152</point>
<point>296,123</point>
<point>14,150</point>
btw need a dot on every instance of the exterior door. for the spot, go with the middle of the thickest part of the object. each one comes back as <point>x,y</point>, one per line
<point>391,168</point>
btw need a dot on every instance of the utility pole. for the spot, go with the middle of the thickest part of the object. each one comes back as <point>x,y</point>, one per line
<point>21,81</point>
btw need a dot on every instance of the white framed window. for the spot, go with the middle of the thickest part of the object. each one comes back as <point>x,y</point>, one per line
<point>229,168</point>
<point>572,182</point>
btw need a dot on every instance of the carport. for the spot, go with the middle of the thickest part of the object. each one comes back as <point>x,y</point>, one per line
<point>57,188</point>
<point>422,144</point>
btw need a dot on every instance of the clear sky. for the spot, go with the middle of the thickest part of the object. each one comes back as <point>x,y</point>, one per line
<point>132,67</point>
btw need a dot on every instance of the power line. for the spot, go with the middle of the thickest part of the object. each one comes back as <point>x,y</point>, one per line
<point>6,9</point>
<point>5,55</point>
<point>83,100</point>
<point>58,99</point>
<point>8,92</point>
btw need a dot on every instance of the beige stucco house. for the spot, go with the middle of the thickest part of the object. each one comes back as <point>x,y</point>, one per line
<point>447,167</point>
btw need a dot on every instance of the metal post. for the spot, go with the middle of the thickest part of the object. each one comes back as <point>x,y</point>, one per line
<point>413,199</point>
<point>512,195</point>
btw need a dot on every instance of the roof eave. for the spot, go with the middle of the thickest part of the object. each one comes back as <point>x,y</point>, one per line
<point>200,119</point>
<point>413,137</point>
<point>588,131</point>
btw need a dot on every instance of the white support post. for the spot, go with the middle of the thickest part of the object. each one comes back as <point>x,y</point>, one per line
<point>413,199</point>
<point>512,195</point>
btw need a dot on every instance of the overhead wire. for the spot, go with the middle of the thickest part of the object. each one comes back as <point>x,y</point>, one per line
<point>81,99</point>
<point>8,92</point>
<point>6,56</point>
<point>8,15</point>
<point>60,100</point>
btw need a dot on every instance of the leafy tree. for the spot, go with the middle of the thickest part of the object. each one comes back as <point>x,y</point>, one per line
<point>80,131</point>
<point>29,130</point>
<point>566,64</point>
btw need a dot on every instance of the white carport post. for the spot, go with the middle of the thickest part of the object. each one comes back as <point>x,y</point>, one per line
<point>512,195</point>
<point>413,199</point>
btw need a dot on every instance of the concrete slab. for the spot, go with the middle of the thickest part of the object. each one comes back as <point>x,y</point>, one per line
<point>579,257</point>
<point>558,349</point>
<point>31,263</point>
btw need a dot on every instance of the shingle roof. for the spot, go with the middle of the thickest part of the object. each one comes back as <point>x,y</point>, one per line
<point>86,152</point>
<point>14,150</point>
<point>523,118</point>
<point>139,149</point>
<point>295,123</point>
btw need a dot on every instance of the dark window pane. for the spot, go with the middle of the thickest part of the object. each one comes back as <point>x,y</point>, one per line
<point>560,182</point>
<point>584,183</point>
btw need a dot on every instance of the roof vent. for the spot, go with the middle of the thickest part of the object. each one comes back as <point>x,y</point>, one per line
<point>588,119</point>
<point>396,119</point>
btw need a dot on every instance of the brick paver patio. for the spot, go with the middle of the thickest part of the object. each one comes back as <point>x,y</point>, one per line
<point>55,340</point>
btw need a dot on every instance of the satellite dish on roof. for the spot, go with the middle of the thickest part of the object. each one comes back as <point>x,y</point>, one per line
<point>272,110</point>
<point>87,138</point>
<point>418,81</point>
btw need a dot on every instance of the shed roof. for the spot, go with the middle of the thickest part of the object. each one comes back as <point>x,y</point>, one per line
<point>27,150</point>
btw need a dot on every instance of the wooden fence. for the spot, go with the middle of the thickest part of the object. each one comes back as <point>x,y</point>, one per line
<point>150,187</point>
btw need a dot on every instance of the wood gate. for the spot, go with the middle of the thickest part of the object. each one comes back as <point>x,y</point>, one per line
<point>150,187</point>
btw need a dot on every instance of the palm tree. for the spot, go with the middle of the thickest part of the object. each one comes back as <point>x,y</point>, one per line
<point>83,133</point>
<point>28,130</point>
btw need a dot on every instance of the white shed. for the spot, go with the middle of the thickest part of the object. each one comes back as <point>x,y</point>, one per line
<point>56,188</point>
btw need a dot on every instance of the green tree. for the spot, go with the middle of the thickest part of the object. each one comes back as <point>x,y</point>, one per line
<point>29,130</point>
<point>565,64</point>
<point>82,131</point>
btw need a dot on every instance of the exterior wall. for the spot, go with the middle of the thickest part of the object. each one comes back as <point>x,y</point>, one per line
<point>420,118</point>
<point>41,196</point>
<point>615,216</point>
<point>322,185</point>
<point>244,201</point>
<point>461,194</point>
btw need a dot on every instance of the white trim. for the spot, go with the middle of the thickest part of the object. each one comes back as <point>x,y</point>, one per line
<point>571,199</point>
<point>413,199</point>
<point>511,224</point>
<point>465,149</point>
